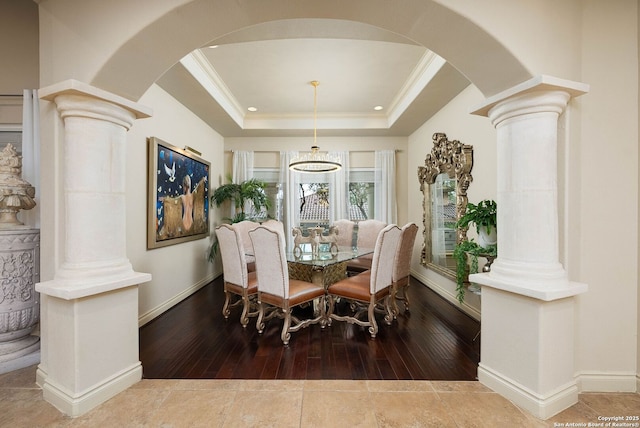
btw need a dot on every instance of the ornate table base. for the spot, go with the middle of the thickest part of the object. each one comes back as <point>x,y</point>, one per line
<point>319,275</point>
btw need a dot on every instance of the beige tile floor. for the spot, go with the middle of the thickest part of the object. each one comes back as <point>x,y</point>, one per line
<point>292,403</point>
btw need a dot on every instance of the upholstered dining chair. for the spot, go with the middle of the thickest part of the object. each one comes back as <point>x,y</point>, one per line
<point>402,266</point>
<point>367,233</point>
<point>274,224</point>
<point>237,279</point>
<point>276,289</point>
<point>244,227</point>
<point>371,286</point>
<point>345,232</point>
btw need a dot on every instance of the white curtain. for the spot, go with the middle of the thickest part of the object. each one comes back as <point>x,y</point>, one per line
<point>385,186</point>
<point>242,166</point>
<point>242,170</point>
<point>289,183</point>
<point>31,153</point>
<point>339,189</point>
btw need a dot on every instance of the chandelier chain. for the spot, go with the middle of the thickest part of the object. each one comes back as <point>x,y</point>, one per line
<point>315,84</point>
<point>315,162</point>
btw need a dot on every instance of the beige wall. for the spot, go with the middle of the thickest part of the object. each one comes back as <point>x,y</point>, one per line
<point>455,121</point>
<point>177,270</point>
<point>18,46</point>
<point>19,52</point>
<point>89,29</point>
<point>606,158</point>
<point>543,34</point>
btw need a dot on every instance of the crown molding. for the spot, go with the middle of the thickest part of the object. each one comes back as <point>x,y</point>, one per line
<point>425,70</point>
<point>201,69</point>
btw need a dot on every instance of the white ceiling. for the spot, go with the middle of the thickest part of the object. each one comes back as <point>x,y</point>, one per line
<point>270,67</point>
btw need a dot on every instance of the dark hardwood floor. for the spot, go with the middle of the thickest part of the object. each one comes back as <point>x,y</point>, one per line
<point>434,341</point>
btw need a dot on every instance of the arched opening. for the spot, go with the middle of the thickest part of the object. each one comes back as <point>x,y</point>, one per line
<point>132,66</point>
<point>136,64</point>
<point>420,22</point>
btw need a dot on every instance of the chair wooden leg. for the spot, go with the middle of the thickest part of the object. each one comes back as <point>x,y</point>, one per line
<point>225,309</point>
<point>373,329</point>
<point>244,317</point>
<point>285,335</point>
<point>394,303</point>
<point>405,296</point>
<point>260,322</point>
<point>389,317</point>
<point>246,309</point>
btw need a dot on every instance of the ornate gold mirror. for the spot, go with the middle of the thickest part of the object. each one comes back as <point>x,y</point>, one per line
<point>444,180</point>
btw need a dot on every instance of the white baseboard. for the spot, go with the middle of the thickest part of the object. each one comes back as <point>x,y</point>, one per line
<point>447,295</point>
<point>163,307</point>
<point>541,406</point>
<point>41,375</point>
<point>76,404</point>
<point>608,382</point>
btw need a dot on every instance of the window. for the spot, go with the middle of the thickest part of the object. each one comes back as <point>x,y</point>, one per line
<point>361,193</point>
<point>360,200</point>
<point>314,196</point>
<point>315,199</point>
<point>10,136</point>
<point>314,205</point>
<point>273,191</point>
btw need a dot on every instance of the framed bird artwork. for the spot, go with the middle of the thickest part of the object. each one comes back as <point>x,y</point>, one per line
<point>178,195</point>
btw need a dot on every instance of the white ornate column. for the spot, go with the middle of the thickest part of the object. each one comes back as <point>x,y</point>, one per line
<point>90,308</point>
<point>528,301</point>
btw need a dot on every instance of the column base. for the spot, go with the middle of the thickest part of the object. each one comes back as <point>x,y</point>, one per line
<point>76,404</point>
<point>542,406</point>
<point>527,352</point>
<point>91,339</point>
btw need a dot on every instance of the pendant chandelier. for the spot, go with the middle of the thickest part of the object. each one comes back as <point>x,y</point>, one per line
<point>315,162</point>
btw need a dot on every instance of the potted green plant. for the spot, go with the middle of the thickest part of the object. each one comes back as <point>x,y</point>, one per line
<point>239,194</point>
<point>461,254</point>
<point>252,190</point>
<point>484,216</point>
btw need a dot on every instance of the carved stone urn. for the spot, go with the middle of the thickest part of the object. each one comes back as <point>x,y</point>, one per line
<point>15,193</point>
<point>19,268</point>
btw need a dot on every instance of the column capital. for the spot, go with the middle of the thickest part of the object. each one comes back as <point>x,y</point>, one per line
<point>533,88</point>
<point>75,98</point>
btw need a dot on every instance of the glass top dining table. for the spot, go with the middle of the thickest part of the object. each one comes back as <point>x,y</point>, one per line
<point>327,258</point>
<point>325,267</point>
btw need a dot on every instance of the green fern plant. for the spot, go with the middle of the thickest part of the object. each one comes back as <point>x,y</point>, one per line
<point>250,190</point>
<point>483,214</point>
<point>461,254</point>
<point>239,194</point>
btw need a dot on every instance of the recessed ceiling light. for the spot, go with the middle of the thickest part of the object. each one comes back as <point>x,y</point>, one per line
<point>212,46</point>
<point>252,108</point>
<point>378,108</point>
